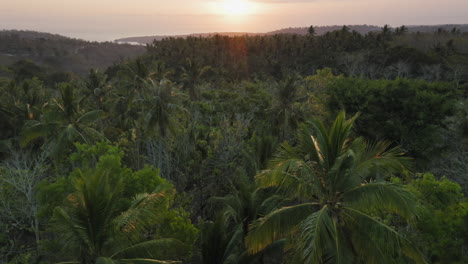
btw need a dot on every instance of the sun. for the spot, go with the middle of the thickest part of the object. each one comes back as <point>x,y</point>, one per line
<point>236,7</point>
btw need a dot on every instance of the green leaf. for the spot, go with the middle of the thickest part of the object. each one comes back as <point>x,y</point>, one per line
<point>158,249</point>
<point>90,117</point>
<point>278,224</point>
<point>383,196</point>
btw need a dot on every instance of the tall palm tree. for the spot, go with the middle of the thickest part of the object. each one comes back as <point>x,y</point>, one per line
<point>95,84</point>
<point>191,75</point>
<point>99,228</point>
<point>137,73</point>
<point>285,109</point>
<point>62,123</point>
<point>223,239</point>
<point>337,183</point>
<point>158,104</point>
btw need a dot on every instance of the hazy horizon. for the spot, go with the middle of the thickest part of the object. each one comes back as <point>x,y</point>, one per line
<point>108,20</point>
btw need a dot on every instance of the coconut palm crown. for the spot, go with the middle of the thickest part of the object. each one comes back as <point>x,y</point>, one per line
<point>100,229</point>
<point>339,187</point>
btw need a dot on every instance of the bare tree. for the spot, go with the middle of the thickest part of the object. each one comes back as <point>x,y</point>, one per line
<point>401,69</point>
<point>353,64</point>
<point>19,176</point>
<point>432,72</point>
<point>454,165</point>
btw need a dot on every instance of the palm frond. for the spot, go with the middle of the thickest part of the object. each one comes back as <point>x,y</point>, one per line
<point>376,160</point>
<point>89,117</point>
<point>343,253</point>
<point>34,130</point>
<point>278,224</point>
<point>103,260</point>
<point>73,231</point>
<point>382,243</point>
<point>290,184</point>
<point>340,132</point>
<point>332,143</point>
<point>269,204</point>
<point>383,196</point>
<point>291,173</point>
<point>158,249</point>
<point>229,202</point>
<point>139,217</point>
<point>308,146</point>
<point>235,245</point>
<point>92,135</point>
<point>339,177</point>
<point>147,261</point>
<point>316,236</point>
<point>232,259</point>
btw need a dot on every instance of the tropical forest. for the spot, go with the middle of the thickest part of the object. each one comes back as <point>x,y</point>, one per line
<point>335,148</point>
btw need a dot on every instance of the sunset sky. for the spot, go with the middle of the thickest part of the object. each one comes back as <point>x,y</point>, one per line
<point>110,19</point>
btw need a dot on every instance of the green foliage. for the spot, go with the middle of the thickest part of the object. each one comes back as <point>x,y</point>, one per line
<point>443,229</point>
<point>118,197</point>
<point>55,52</point>
<point>23,69</point>
<point>337,182</point>
<point>222,240</point>
<point>92,222</point>
<point>62,123</point>
<point>201,113</point>
<point>409,112</point>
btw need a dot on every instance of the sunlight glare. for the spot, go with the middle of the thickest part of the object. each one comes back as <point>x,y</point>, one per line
<point>237,7</point>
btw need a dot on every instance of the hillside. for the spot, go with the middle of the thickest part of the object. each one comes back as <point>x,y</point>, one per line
<point>364,29</point>
<point>149,39</point>
<point>62,53</point>
<point>428,29</point>
<point>26,34</point>
<point>320,30</point>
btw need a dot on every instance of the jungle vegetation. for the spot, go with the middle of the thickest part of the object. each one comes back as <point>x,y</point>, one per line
<point>338,148</point>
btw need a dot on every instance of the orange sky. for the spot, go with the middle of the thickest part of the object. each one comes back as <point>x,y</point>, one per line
<point>110,19</point>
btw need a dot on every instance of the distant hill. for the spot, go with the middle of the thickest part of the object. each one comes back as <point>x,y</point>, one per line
<point>26,34</point>
<point>363,29</point>
<point>320,30</point>
<point>149,39</point>
<point>448,27</point>
<point>60,53</point>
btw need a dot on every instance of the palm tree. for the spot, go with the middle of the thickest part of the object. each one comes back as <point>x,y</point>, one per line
<point>62,123</point>
<point>285,109</point>
<point>223,239</point>
<point>158,104</point>
<point>337,183</point>
<point>95,85</point>
<point>191,75</point>
<point>311,31</point>
<point>137,72</point>
<point>99,228</point>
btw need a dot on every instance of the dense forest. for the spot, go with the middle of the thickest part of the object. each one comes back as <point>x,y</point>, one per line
<point>56,53</point>
<point>286,148</point>
<point>318,31</point>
